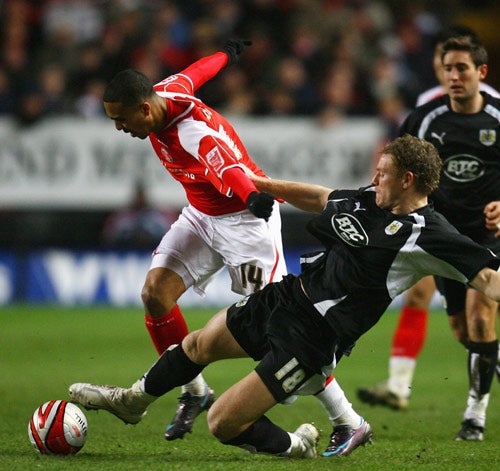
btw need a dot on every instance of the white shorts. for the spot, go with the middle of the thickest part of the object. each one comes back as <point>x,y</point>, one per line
<point>197,246</point>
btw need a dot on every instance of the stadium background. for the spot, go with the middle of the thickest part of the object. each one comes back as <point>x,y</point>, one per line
<point>321,88</point>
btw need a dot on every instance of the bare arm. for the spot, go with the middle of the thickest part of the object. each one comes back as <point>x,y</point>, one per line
<point>488,282</point>
<point>305,196</point>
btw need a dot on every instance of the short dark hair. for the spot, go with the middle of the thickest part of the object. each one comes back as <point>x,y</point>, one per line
<point>465,43</point>
<point>454,31</point>
<point>128,87</point>
<point>419,157</point>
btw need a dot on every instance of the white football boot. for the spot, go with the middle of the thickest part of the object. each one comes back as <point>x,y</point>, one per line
<point>304,442</point>
<point>128,405</point>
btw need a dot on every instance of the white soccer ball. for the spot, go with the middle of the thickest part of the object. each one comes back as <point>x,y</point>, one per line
<point>58,428</point>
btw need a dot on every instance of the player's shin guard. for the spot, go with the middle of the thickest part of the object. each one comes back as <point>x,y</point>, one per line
<point>172,369</point>
<point>262,437</point>
<point>482,362</point>
<point>166,330</point>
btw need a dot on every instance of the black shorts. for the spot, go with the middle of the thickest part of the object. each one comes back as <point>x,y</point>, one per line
<point>454,292</point>
<point>279,327</point>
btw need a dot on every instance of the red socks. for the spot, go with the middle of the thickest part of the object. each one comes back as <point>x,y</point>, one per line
<point>166,330</point>
<point>410,333</point>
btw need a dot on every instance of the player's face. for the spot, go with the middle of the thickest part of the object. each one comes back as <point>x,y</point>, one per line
<point>461,75</point>
<point>133,120</point>
<point>387,183</point>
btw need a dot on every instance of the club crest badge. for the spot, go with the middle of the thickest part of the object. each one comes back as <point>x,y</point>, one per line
<point>393,227</point>
<point>214,158</point>
<point>487,137</point>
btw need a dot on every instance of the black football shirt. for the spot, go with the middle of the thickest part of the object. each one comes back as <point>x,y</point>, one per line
<point>372,255</point>
<point>469,146</point>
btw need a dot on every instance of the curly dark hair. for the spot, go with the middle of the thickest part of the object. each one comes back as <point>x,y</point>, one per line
<point>411,154</point>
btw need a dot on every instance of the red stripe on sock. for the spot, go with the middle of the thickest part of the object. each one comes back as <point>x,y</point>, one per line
<point>329,380</point>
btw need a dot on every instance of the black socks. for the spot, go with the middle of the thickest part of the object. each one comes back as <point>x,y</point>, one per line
<point>172,369</point>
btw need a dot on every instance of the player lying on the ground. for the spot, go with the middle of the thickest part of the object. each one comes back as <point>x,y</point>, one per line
<point>378,241</point>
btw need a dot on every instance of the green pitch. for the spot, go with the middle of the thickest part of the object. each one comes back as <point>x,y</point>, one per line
<point>43,350</point>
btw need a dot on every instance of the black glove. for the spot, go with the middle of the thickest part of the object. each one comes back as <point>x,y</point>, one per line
<point>260,204</point>
<point>233,48</point>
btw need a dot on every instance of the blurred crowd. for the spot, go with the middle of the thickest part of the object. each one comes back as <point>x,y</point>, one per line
<point>323,58</point>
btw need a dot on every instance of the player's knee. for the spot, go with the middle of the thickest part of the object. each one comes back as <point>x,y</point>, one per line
<point>191,347</point>
<point>219,423</point>
<point>151,300</point>
<point>418,298</point>
<point>199,348</point>
<point>156,299</point>
<point>420,295</point>
<point>459,328</point>
<point>481,329</point>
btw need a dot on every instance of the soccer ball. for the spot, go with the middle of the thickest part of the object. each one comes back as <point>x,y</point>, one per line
<point>58,428</point>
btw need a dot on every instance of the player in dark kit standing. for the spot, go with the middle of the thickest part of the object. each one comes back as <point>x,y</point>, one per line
<point>409,336</point>
<point>378,241</point>
<point>464,125</point>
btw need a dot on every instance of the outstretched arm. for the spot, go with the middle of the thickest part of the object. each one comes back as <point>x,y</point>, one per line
<point>205,69</point>
<point>305,196</point>
<point>208,67</point>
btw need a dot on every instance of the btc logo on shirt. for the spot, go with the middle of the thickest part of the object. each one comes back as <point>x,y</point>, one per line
<point>463,168</point>
<point>349,229</point>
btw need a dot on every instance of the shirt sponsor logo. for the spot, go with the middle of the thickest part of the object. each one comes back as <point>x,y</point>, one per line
<point>178,173</point>
<point>393,227</point>
<point>463,168</point>
<point>487,137</point>
<point>349,229</point>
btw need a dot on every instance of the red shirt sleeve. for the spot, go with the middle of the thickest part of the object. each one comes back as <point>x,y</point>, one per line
<point>239,182</point>
<point>204,69</point>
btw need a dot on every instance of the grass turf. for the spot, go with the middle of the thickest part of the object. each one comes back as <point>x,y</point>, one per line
<point>45,349</point>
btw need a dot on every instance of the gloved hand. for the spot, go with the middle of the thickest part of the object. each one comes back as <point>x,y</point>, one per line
<point>260,204</point>
<point>233,48</point>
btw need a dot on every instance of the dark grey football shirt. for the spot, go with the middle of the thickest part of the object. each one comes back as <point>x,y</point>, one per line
<point>469,146</point>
